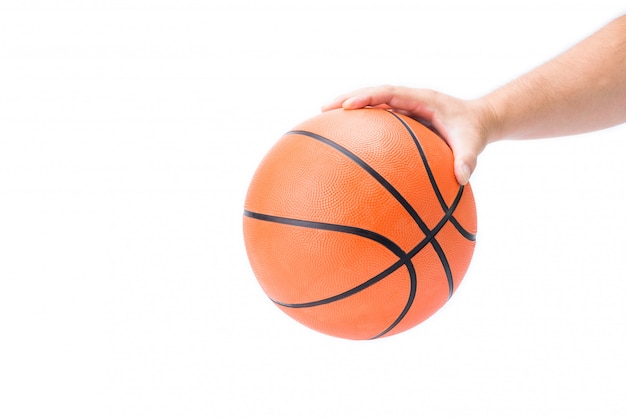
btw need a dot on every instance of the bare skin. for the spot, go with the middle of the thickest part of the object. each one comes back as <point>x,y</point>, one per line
<point>581,90</point>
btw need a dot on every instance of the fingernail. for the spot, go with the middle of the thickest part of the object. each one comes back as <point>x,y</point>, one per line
<point>463,174</point>
<point>346,103</point>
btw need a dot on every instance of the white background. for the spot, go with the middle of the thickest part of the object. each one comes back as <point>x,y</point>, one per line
<point>129,131</point>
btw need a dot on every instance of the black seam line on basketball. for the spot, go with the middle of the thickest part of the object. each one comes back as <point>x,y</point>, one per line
<point>390,245</point>
<point>375,174</point>
<point>374,236</point>
<point>389,270</point>
<point>407,306</point>
<point>465,233</point>
<point>381,239</point>
<point>396,194</point>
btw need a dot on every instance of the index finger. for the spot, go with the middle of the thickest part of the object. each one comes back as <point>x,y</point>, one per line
<point>414,102</point>
<point>369,96</point>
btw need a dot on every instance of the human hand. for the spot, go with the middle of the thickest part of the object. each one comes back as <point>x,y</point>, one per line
<point>465,125</point>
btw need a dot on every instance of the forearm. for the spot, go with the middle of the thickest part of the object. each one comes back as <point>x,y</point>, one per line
<point>582,90</point>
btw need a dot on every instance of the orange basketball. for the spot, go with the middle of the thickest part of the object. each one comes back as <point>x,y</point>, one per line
<point>355,225</point>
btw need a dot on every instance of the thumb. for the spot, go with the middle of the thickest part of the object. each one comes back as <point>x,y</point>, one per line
<point>466,146</point>
<point>465,157</point>
<point>464,166</point>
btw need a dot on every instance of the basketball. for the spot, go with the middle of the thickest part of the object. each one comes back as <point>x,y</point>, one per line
<point>355,226</point>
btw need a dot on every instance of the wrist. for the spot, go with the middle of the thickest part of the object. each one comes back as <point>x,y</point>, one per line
<point>488,120</point>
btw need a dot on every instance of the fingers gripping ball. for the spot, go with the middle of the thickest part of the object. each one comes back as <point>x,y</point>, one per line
<point>355,225</point>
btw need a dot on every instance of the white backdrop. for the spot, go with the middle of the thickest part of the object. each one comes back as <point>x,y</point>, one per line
<point>129,131</point>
